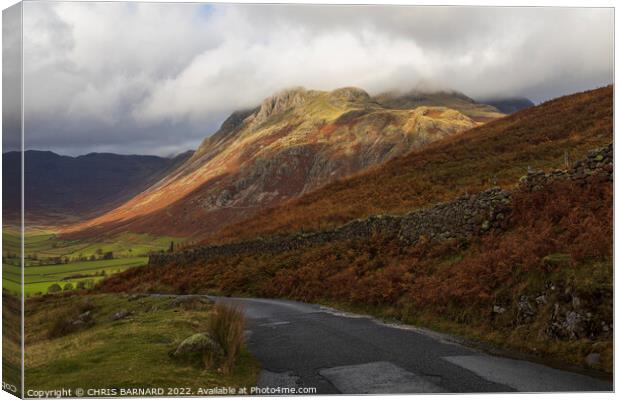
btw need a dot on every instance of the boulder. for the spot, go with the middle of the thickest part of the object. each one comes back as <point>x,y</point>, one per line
<point>574,324</point>
<point>122,314</point>
<point>542,299</point>
<point>525,311</point>
<point>593,359</point>
<point>86,316</point>
<point>499,309</point>
<point>199,342</point>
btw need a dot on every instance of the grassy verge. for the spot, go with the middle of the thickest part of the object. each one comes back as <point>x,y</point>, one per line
<point>132,352</point>
<point>11,342</point>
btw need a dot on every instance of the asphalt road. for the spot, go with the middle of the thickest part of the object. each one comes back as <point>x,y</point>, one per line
<point>309,346</point>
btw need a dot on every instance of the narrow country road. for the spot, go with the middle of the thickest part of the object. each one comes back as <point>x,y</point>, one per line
<point>303,345</point>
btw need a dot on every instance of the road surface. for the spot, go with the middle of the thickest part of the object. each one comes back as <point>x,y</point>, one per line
<point>309,346</point>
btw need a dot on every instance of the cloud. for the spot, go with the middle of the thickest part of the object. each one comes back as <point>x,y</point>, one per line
<point>159,77</point>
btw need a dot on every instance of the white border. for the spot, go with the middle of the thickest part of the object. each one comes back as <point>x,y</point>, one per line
<point>510,3</point>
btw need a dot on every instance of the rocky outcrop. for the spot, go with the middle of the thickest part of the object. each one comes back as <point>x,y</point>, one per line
<point>280,102</point>
<point>295,141</point>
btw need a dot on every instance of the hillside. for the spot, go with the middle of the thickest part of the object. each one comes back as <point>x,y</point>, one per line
<point>509,105</point>
<point>495,154</point>
<point>60,188</point>
<point>478,111</point>
<point>529,269</point>
<point>293,143</point>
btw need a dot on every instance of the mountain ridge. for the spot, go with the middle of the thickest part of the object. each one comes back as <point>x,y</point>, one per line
<point>64,188</point>
<point>499,152</point>
<point>293,142</point>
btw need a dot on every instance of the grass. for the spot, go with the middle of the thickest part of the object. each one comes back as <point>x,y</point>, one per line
<point>50,260</point>
<point>226,326</point>
<point>133,352</point>
<point>11,341</point>
<point>38,279</point>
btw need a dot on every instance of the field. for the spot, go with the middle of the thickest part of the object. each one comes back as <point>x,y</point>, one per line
<point>72,263</point>
<point>132,352</point>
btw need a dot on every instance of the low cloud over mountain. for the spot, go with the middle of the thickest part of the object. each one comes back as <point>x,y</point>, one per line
<point>168,74</point>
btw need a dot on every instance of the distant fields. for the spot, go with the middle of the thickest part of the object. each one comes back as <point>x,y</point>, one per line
<point>50,261</point>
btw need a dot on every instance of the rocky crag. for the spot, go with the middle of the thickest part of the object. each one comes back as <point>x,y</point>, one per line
<point>292,143</point>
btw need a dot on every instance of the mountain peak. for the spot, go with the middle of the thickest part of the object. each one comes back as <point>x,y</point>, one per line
<point>351,94</point>
<point>281,101</point>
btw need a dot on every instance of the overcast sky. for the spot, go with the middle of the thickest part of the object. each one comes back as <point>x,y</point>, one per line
<point>157,78</point>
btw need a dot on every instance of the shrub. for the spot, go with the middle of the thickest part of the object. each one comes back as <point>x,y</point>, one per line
<point>226,327</point>
<point>55,288</point>
<point>68,286</point>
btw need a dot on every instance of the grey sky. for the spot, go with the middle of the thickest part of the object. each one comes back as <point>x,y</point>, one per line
<point>158,78</point>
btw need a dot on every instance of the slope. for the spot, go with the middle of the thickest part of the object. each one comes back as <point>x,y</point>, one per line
<point>293,143</point>
<point>59,188</point>
<point>497,153</point>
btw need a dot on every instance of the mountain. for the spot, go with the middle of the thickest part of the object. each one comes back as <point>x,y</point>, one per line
<point>509,105</point>
<point>292,143</point>
<point>478,111</point>
<point>59,188</point>
<point>497,153</point>
<point>526,266</point>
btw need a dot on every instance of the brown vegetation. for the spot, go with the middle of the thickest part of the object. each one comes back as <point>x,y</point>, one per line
<point>517,288</point>
<point>497,153</point>
<point>559,236</point>
<point>226,326</point>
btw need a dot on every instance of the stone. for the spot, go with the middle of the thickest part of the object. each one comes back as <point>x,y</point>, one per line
<point>593,359</point>
<point>199,342</point>
<point>86,316</point>
<point>573,324</point>
<point>499,309</point>
<point>542,299</point>
<point>525,311</point>
<point>122,314</point>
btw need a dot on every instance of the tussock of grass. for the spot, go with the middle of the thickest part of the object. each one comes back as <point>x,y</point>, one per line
<point>132,352</point>
<point>63,319</point>
<point>226,326</point>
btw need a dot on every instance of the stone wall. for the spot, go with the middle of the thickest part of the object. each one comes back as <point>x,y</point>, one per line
<point>459,219</point>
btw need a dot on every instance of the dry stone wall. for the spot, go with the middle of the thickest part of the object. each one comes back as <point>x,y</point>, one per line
<point>461,218</point>
<point>468,215</point>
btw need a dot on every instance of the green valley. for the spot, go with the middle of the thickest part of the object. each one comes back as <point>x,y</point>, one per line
<point>72,264</point>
